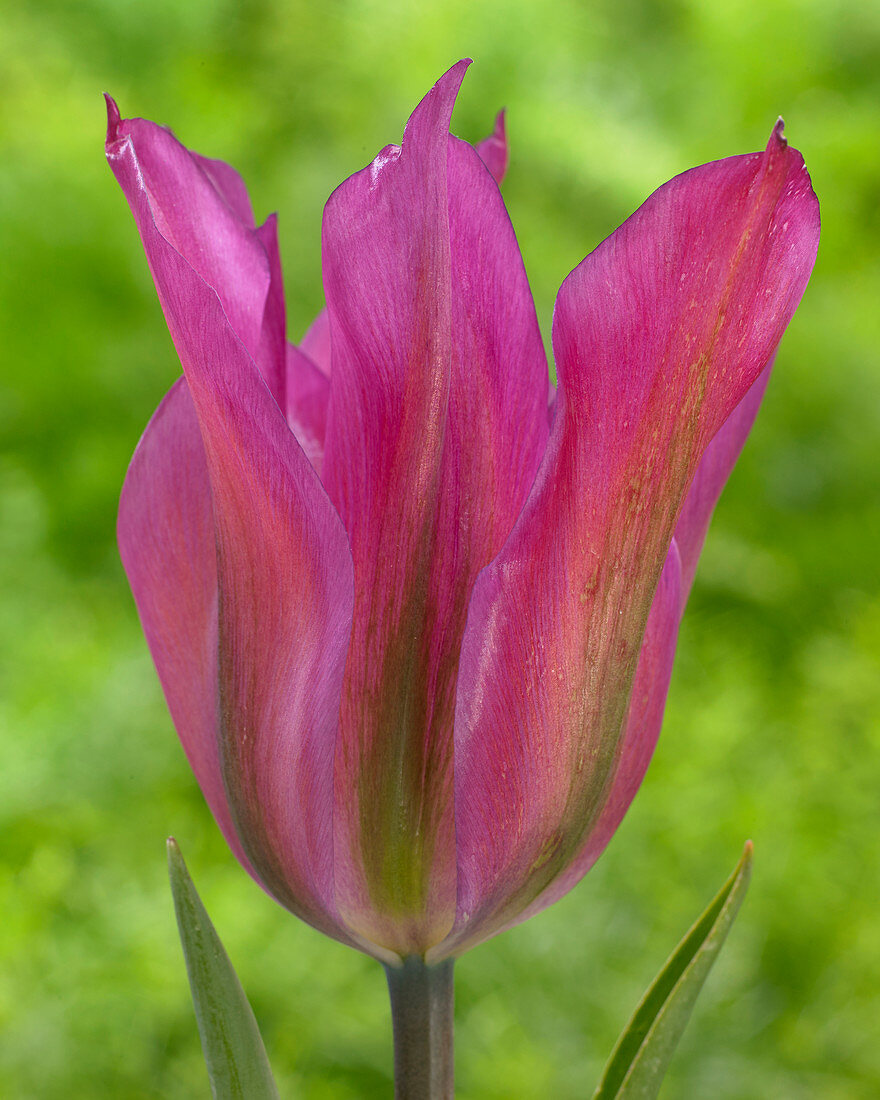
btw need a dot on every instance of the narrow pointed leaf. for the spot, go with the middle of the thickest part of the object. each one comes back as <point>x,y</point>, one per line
<point>237,1064</point>
<point>638,1063</point>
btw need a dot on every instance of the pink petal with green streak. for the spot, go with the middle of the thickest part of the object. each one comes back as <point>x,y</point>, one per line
<point>642,727</point>
<point>283,564</point>
<point>166,541</point>
<point>658,336</point>
<point>434,434</point>
<point>654,669</point>
<point>711,477</point>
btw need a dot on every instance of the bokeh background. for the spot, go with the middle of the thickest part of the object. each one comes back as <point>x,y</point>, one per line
<point>773,724</point>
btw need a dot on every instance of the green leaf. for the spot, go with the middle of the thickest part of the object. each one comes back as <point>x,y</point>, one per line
<point>237,1064</point>
<point>638,1063</point>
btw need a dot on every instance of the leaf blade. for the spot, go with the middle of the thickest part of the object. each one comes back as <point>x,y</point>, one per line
<point>638,1063</point>
<point>238,1067</point>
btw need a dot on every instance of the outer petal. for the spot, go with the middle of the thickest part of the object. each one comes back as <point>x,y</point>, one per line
<point>435,430</point>
<point>651,683</point>
<point>166,541</point>
<point>201,208</point>
<point>658,334</point>
<point>711,477</point>
<point>284,579</point>
<point>642,728</point>
<point>230,186</point>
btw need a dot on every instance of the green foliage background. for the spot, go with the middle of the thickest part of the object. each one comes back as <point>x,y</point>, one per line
<point>773,724</point>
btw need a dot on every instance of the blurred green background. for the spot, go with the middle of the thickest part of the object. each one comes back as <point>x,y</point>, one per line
<point>772,728</point>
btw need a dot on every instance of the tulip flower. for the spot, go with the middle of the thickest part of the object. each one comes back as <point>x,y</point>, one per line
<point>414,611</point>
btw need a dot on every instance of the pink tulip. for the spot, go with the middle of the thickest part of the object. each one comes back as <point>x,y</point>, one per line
<point>414,624</point>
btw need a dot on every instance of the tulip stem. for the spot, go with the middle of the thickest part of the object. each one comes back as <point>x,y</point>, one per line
<point>421,1015</point>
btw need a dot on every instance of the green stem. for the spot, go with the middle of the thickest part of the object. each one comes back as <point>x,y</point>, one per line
<point>421,1014</point>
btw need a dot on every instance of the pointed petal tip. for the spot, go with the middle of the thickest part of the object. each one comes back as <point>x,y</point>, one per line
<point>434,112</point>
<point>777,136</point>
<point>748,849</point>
<point>450,81</point>
<point>114,118</point>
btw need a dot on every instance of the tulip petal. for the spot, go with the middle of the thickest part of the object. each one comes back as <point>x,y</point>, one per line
<point>316,342</point>
<point>308,393</point>
<point>283,570</point>
<point>271,357</point>
<point>494,151</point>
<point>198,209</point>
<point>230,186</point>
<point>641,729</point>
<point>435,429</point>
<point>711,476</point>
<point>654,669</point>
<point>658,335</point>
<point>166,541</point>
